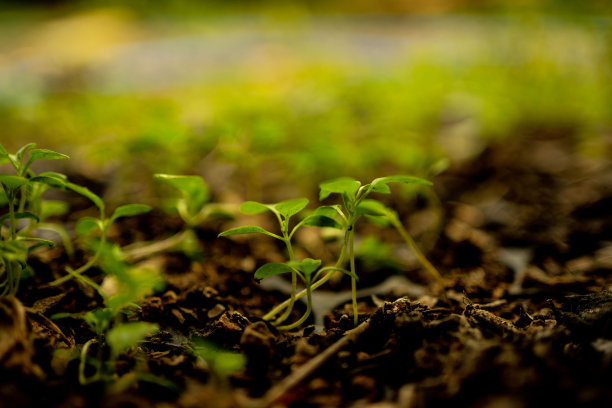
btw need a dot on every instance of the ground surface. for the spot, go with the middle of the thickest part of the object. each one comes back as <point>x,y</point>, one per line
<point>525,249</point>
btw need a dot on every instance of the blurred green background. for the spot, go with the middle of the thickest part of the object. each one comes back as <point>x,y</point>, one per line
<point>265,99</point>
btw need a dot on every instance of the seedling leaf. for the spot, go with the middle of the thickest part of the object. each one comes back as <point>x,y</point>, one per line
<point>327,211</point>
<point>21,152</point>
<point>193,188</point>
<point>249,229</point>
<point>253,207</point>
<point>12,182</point>
<point>87,193</point>
<point>400,179</point>
<point>36,154</point>
<point>39,242</point>
<point>20,216</point>
<point>127,335</point>
<point>130,210</point>
<point>55,180</point>
<point>271,269</point>
<point>343,185</point>
<point>306,265</point>
<point>3,150</point>
<point>51,208</point>
<point>321,221</point>
<point>289,208</point>
<point>86,225</point>
<point>372,207</point>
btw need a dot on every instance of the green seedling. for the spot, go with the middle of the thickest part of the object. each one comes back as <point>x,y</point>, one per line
<point>194,208</point>
<point>21,192</point>
<point>354,206</point>
<point>113,334</point>
<point>283,212</point>
<point>88,226</point>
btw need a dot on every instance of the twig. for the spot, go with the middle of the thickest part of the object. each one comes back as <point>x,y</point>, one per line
<point>279,390</point>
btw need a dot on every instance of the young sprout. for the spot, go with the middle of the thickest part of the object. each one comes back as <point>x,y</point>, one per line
<point>354,205</point>
<point>283,212</point>
<point>194,208</point>
<point>21,192</point>
<point>88,225</point>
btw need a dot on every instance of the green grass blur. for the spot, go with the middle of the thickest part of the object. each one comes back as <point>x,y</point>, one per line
<point>266,99</point>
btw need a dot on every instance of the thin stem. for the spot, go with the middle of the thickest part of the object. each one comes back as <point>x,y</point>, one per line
<point>305,315</point>
<point>415,249</point>
<point>85,267</point>
<point>137,254</point>
<point>12,220</point>
<point>320,282</point>
<point>289,309</point>
<point>82,379</point>
<point>353,281</point>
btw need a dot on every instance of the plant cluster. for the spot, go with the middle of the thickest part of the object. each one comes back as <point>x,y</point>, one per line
<point>114,326</point>
<point>353,205</point>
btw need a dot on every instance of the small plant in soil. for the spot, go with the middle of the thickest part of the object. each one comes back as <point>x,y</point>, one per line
<point>194,208</point>
<point>283,211</point>
<point>354,205</point>
<point>87,227</point>
<point>22,193</point>
<point>113,324</point>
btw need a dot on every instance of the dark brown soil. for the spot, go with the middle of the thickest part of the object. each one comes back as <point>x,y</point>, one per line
<point>525,249</point>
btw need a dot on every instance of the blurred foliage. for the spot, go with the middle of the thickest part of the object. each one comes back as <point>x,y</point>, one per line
<point>255,102</point>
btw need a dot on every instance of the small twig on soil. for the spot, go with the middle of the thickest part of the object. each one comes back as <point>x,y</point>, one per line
<point>278,391</point>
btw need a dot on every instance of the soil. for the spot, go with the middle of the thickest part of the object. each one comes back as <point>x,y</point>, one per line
<point>524,318</point>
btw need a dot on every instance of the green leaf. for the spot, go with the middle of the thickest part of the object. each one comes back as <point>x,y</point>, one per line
<point>327,211</point>
<point>193,188</point>
<point>13,251</point>
<point>306,265</point>
<point>39,242</point>
<point>87,193</point>
<point>400,179</point>
<point>271,269</point>
<point>86,225</point>
<point>21,152</point>
<point>249,229</point>
<point>372,207</point>
<point>289,208</point>
<point>321,221</point>
<point>130,210</point>
<point>99,320</point>
<point>127,335</point>
<point>343,185</point>
<point>37,154</point>
<point>20,216</point>
<point>55,180</point>
<point>12,182</point>
<point>381,188</point>
<point>253,207</point>
<point>3,150</point>
<point>51,208</point>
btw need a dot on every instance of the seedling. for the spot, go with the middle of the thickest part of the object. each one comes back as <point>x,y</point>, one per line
<point>86,226</point>
<point>354,205</point>
<point>193,207</point>
<point>112,334</point>
<point>283,212</point>
<point>21,192</point>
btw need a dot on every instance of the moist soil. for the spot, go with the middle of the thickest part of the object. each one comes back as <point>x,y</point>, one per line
<point>522,235</point>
